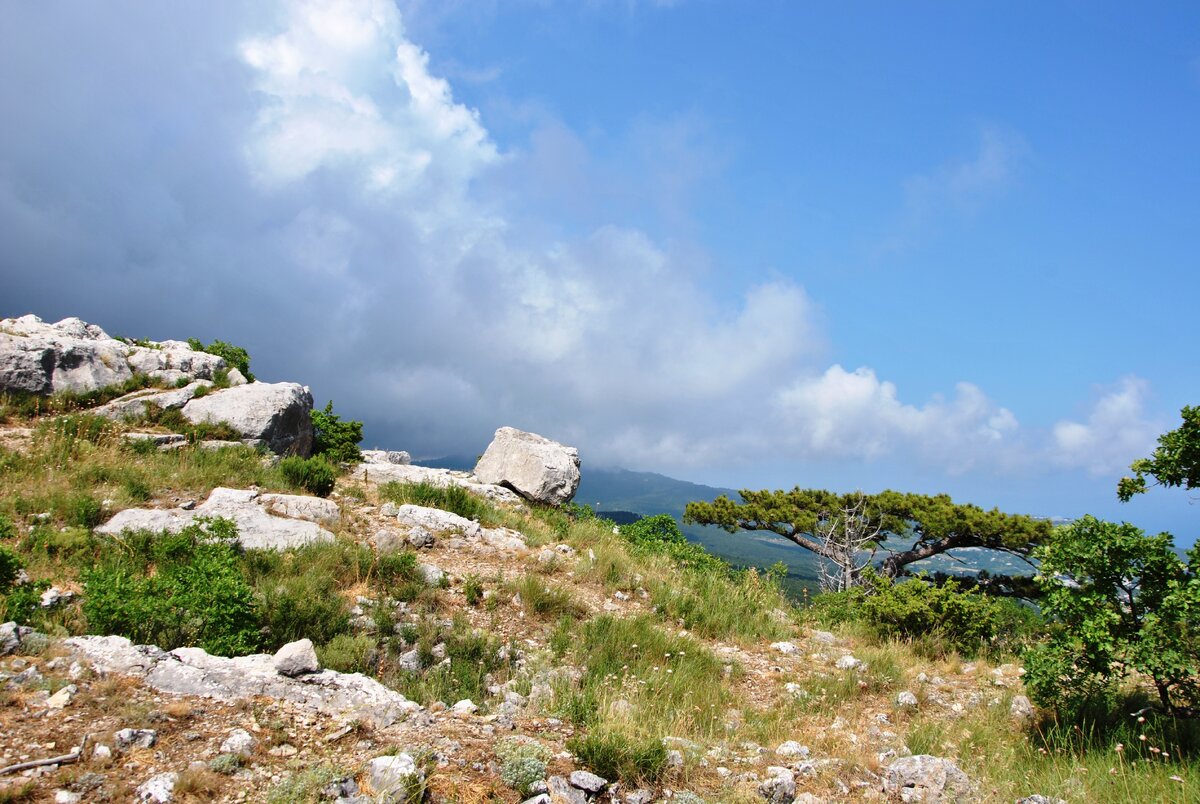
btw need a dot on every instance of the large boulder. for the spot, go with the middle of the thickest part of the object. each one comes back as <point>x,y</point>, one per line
<point>276,415</point>
<point>73,355</point>
<point>537,468</point>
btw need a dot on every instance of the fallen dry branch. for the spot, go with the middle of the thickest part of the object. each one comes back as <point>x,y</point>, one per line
<point>73,755</point>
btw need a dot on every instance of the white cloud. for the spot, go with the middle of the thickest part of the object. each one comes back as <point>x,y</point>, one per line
<point>856,415</point>
<point>1115,432</point>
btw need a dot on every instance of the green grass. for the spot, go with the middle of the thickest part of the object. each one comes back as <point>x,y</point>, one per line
<point>674,684</point>
<point>547,600</point>
<point>455,499</point>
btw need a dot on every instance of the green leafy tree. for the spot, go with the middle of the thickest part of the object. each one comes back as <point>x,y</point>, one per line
<point>931,525</point>
<point>1176,461</point>
<point>335,439</point>
<point>1126,603</point>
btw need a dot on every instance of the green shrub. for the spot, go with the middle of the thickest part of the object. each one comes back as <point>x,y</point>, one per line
<point>174,590</point>
<point>235,356</point>
<point>348,653</point>
<point>473,589</point>
<point>937,618</point>
<point>522,763</point>
<point>617,756</point>
<point>315,475</point>
<point>7,529</point>
<point>660,535</point>
<point>10,568</point>
<point>226,764</point>
<point>334,439</point>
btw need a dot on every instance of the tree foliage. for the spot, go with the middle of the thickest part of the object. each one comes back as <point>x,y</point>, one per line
<point>335,439</point>
<point>933,524</point>
<point>1176,461</point>
<point>1125,603</point>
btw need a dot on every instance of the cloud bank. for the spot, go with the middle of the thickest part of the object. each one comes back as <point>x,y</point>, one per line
<point>294,178</point>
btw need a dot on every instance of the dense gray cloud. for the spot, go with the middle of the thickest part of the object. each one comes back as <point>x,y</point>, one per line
<point>291,177</point>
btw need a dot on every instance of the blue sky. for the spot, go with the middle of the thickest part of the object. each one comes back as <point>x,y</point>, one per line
<point>937,247</point>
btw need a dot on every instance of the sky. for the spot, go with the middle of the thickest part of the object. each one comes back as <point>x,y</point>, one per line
<point>937,247</point>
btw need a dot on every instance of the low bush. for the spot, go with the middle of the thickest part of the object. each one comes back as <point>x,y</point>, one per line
<point>315,475</point>
<point>661,535</point>
<point>939,619</point>
<point>523,763</point>
<point>174,590</point>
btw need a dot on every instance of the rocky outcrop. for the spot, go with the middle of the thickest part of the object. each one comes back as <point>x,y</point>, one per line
<point>435,520</point>
<point>537,468</point>
<point>275,415</point>
<point>191,671</point>
<point>73,355</point>
<point>258,525</point>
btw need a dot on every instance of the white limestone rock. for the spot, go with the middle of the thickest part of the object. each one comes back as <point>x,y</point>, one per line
<point>297,658</point>
<point>927,779</point>
<point>191,671</point>
<point>258,528</point>
<point>535,467</point>
<point>276,415</point>
<point>239,742</point>
<point>158,789</point>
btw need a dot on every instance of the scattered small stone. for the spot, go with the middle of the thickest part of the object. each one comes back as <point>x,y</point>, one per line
<point>101,753</point>
<point>1038,798</point>
<point>786,648</point>
<point>907,700</point>
<point>1021,710</point>
<point>67,797</point>
<point>847,662</point>
<point>60,699</point>
<point>464,707</point>
<point>420,538</point>
<point>561,790</point>
<point>239,742</point>
<point>780,785</point>
<point>588,782</point>
<point>125,739</point>
<point>285,750</point>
